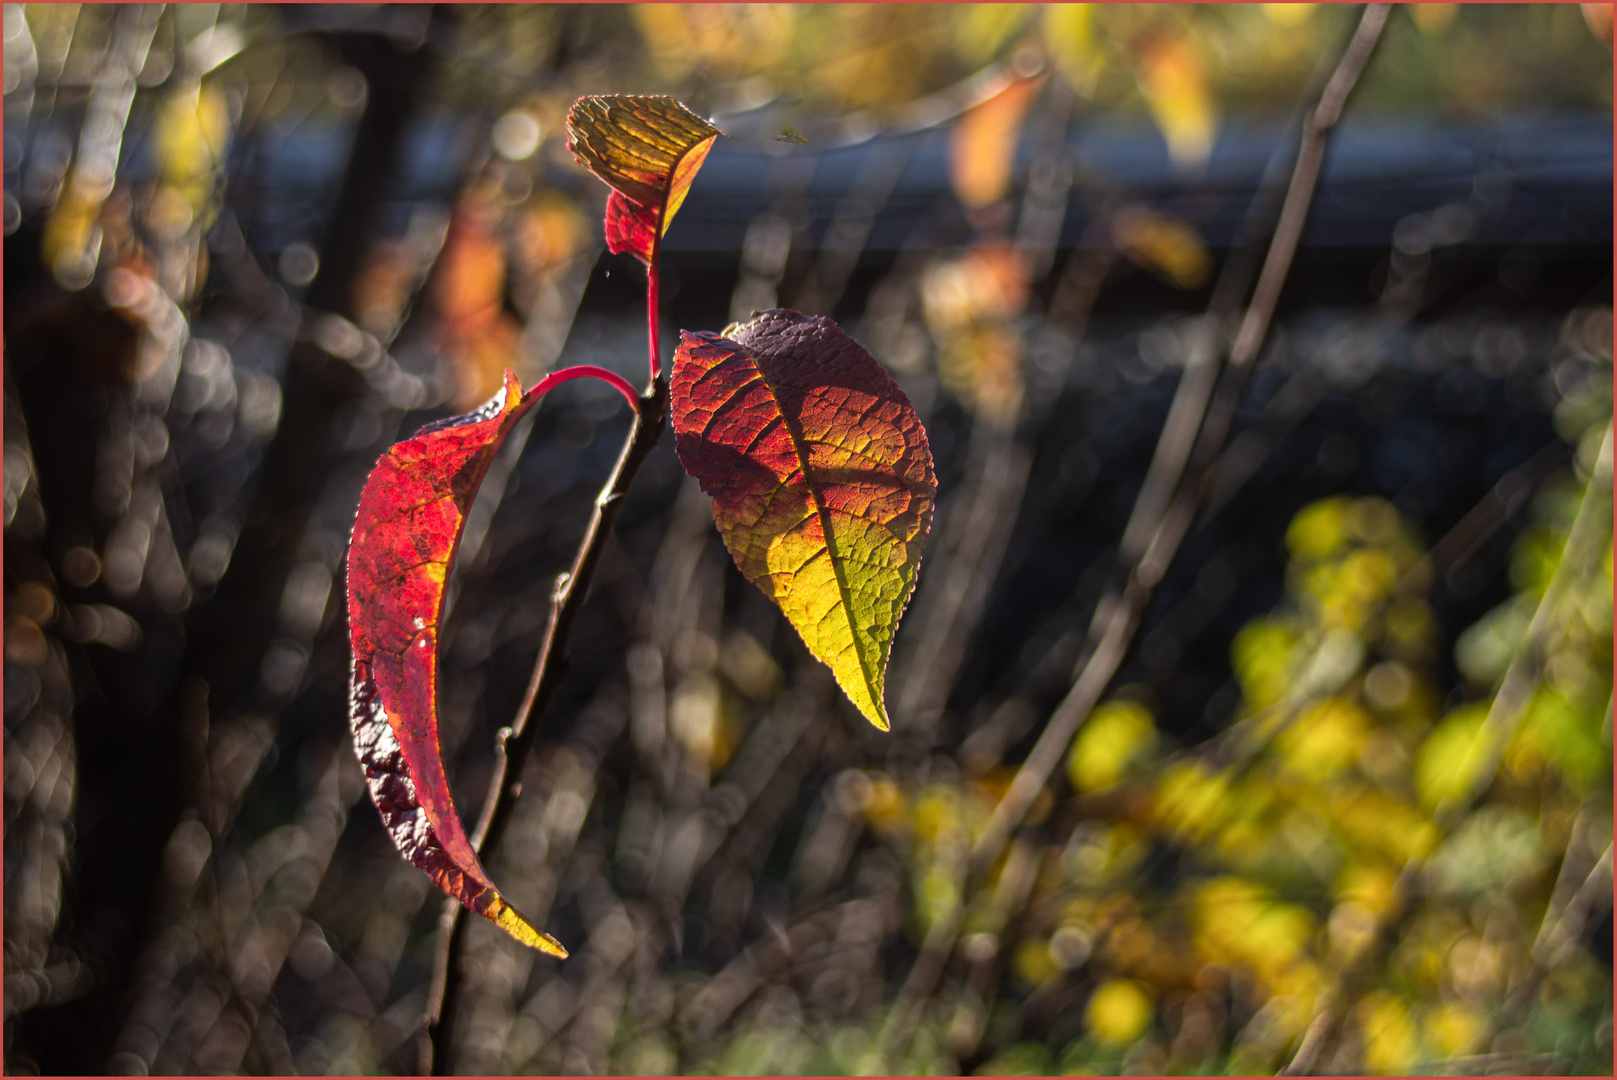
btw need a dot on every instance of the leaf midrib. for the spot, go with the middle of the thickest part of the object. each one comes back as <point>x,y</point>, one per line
<point>798,444</point>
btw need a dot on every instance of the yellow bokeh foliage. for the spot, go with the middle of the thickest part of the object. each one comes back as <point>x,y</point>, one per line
<point>1451,759</point>
<point>970,304</point>
<point>1237,921</point>
<point>1116,736</point>
<point>1325,739</point>
<point>191,135</point>
<point>1192,799</point>
<point>1118,1012</point>
<point>1264,655</point>
<point>1389,1033</point>
<point>1173,78</point>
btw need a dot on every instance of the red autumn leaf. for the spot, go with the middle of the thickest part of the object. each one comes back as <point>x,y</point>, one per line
<point>648,149</point>
<point>821,479</point>
<point>411,514</point>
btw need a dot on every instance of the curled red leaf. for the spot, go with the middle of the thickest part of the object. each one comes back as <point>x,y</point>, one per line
<point>629,227</point>
<point>411,515</point>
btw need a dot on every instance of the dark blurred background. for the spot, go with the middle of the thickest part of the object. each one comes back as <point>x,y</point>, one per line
<point>249,246</point>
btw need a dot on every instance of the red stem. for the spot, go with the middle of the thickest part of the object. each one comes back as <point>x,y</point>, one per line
<point>651,309</point>
<point>579,371</point>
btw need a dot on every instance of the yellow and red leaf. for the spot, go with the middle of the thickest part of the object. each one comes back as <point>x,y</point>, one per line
<point>821,479</point>
<point>648,150</point>
<point>411,515</point>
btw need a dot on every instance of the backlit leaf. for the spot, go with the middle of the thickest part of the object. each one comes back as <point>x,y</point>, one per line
<point>1165,245</point>
<point>1173,78</point>
<point>982,143</point>
<point>648,149</point>
<point>468,293</point>
<point>411,514</point>
<point>821,479</point>
<point>971,304</point>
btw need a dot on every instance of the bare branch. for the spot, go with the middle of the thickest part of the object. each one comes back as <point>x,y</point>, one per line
<point>505,786</point>
<point>1118,614</point>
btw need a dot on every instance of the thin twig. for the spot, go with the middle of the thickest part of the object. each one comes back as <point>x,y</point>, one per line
<point>1150,541</point>
<point>1118,615</point>
<point>516,741</point>
<point>1554,937</point>
<point>975,535</point>
<point>1070,306</point>
<point>984,950</point>
<point>913,996</point>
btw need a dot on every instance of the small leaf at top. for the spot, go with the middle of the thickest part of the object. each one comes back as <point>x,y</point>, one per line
<point>411,515</point>
<point>648,149</point>
<point>821,480</point>
<point>792,135</point>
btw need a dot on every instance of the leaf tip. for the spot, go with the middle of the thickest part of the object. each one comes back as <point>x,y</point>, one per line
<point>864,692</point>
<point>513,391</point>
<point>511,920</point>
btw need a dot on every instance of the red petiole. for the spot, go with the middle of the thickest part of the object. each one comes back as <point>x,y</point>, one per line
<point>579,371</point>
<point>651,310</point>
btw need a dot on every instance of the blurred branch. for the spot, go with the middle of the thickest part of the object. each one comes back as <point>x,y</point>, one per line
<point>1571,904</point>
<point>969,552</point>
<point>1117,616</point>
<point>235,625</point>
<point>1153,519</point>
<point>935,951</point>
<point>975,534</point>
<point>849,231</point>
<point>1585,542</point>
<point>1571,919</point>
<point>985,948</point>
<point>1070,306</point>
<point>706,1012</point>
<point>755,792</point>
<point>616,933</point>
<point>261,948</point>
